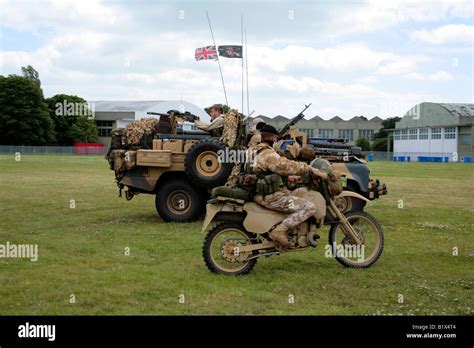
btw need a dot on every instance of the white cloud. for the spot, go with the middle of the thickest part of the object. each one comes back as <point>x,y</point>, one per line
<point>441,76</point>
<point>437,76</point>
<point>370,79</point>
<point>32,15</point>
<point>448,34</point>
<point>375,14</point>
<point>347,57</point>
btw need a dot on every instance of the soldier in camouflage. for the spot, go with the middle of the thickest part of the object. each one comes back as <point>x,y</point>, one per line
<point>254,137</point>
<point>272,194</point>
<point>217,119</point>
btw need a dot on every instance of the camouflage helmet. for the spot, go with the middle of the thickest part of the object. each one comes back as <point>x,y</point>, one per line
<point>323,165</point>
<point>307,154</point>
<point>218,107</point>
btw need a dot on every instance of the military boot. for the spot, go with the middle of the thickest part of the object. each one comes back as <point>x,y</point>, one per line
<point>303,230</point>
<point>279,234</point>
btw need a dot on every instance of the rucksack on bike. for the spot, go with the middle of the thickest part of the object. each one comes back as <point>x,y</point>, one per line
<point>334,177</point>
<point>231,192</point>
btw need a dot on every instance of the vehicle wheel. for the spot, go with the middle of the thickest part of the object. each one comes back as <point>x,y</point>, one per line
<point>219,250</point>
<point>369,229</point>
<point>356,203</point>
<point>177,200</point>
<point>203,166</point>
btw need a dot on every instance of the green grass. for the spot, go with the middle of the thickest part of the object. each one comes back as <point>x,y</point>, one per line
<point>81,250</point>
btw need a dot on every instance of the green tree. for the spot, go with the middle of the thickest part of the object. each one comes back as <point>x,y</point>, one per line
<point>381,137</point>
<point>379,144</point>
<point>388,123</point>
<point>30,73</point>
<point>363,143</point>
<point>62,118</point>
<point>24,116</point>
<point>83,130</point>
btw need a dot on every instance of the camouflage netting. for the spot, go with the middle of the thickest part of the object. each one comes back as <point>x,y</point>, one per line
<point>231,127</point>
<point>136,130</point>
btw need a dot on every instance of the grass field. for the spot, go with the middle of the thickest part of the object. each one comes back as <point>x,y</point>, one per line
<point>81,250</point>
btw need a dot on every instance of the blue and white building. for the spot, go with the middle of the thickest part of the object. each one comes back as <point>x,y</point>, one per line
<point>435,132</point>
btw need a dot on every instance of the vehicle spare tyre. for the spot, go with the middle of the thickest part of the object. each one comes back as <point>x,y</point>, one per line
<point>203,166</point>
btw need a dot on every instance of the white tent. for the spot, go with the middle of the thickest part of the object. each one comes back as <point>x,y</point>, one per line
<point>135,110</point>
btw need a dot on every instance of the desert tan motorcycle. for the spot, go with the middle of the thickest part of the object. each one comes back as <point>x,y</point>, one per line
<point>241,236</point>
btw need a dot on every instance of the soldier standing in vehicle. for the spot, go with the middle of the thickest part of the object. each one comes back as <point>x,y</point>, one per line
<point>217,119</point>
<point>270,190</point>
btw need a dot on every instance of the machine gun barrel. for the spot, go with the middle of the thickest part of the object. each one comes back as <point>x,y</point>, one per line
<point>294,121</point>
<point>186,116</point>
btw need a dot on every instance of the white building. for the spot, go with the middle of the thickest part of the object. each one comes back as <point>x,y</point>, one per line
<point>435,132</point>
<point>117,114</point>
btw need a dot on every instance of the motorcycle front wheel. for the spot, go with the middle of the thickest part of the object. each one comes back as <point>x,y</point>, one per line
<point>346,252</point>
<point>221,250</point>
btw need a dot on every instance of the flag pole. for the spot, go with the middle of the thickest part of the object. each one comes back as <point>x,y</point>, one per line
<point>247,72</point>
<point>218,61</point>
<point>242,35</point>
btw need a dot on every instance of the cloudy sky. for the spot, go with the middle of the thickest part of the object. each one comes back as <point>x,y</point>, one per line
<point>372,58</point>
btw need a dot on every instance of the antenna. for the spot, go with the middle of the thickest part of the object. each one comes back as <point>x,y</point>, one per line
<point>247,70</point>
<point>242,34</point>
<point>218,61</point>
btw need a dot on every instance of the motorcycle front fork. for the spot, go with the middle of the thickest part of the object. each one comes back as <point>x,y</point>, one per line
<point>345,225</point>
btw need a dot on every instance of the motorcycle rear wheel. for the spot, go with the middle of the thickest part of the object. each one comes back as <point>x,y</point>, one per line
<point>219,249</point>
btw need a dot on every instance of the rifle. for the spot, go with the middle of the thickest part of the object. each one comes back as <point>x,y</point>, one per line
<point>294,121</point>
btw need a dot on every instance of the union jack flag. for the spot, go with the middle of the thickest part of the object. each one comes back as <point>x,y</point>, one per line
<point>203,53</point>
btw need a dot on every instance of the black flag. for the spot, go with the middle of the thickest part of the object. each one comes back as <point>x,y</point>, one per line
<point>230,51</point>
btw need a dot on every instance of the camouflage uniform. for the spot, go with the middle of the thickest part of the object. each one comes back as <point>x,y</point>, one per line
<point>216,123</point>
<point>255,139</point>
<point>233,178</point>
<point>254,134</point>
<point>300,209</point>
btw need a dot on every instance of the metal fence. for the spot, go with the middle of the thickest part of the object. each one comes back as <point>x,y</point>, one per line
<point>378,155</point>
<point>465,157</point>
<point>53,150</point>
<point>370,155</point>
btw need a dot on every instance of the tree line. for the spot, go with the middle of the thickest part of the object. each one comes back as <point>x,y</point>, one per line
<point>381,138</point>
<point>27,118</point>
